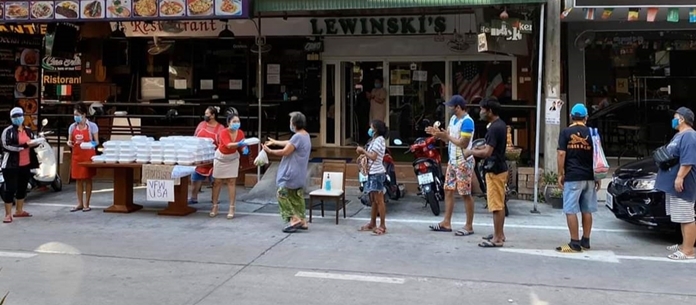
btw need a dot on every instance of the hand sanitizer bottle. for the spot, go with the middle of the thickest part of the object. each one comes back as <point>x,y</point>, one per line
<point>327,183</point>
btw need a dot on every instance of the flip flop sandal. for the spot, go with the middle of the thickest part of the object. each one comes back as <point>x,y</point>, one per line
<point>379,232</point>
<point>680,256</point>
<point>86,209</point>
<point>489,244</point>
<point>192,201</point>
<point>463,232</point>
<point>567,249</point>
<point>366,228</point>
<point>76,209</point>
<point>290,228</point>
<point>439,228</point>
<point>7,220</point>
<point>23,214</point>
<point>489,237</point>
<point>674,248</point>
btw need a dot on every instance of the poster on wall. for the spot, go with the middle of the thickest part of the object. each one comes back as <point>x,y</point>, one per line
<point>20,60</point>
<point>553,111</point>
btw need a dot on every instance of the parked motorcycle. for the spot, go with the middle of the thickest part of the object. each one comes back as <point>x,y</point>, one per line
<point>480,171</point>
<point>428,170</point>
<point>393,190</point>
<point>47,173</point>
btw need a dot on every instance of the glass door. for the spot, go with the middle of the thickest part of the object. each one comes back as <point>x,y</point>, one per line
<point>330,104</point>
<point>358,81</point>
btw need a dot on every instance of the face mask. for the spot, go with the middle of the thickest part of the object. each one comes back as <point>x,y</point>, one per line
<point>292,128</point>
<point>370,132</point>
<point>206,118</point>
<point>675,123</point>
<point>18,121</point>
<point>235,126</point>
<point>483,115</point>
<point>378,85</point>
<point>78,119</point>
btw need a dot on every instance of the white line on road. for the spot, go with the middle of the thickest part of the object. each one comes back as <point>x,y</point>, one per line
<point>351,277</point>
<point>17,254</point>
<point>593,255</point>
<point>397,220</point>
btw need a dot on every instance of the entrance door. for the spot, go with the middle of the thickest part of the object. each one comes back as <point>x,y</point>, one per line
<point>357,79</point>
<point>330,104</point>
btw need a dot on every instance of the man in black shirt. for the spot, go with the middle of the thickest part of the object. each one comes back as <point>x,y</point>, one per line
<point>576,177</point>
<point>496,168</point>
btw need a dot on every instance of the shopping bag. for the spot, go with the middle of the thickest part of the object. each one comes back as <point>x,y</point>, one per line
<point>600,165</point>
<point>261,159</point>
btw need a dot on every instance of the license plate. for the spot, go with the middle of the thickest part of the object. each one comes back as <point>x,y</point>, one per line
<point>425,178</point>
<point>610,201</point>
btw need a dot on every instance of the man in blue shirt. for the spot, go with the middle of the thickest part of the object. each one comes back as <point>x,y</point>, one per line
<point>679,183</point>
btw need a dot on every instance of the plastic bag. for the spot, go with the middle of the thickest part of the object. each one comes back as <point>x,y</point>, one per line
<point>180,171</point>
<point>261,159</point>
<point>600,165</point>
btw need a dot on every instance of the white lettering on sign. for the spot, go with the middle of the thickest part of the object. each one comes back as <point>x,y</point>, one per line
<point>160,190</point>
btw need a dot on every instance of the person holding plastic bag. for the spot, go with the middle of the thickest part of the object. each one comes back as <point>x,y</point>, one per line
<point>226,163</point>
<point>83,137</point>
<point>208,128</point>
<point>576,176</point>
<point>292,173</point>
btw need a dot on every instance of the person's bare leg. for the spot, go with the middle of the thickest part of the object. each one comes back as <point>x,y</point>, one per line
<point>373,214</point>
<point>689,235</point>
<point>217,185</point>
<point>8,211</point>
<point>573,226</point>
<point>88,192</point>
<point>586,225</point>
<point>469,207</point>
<point>195,189</point>
<point>232,191</point>
<point>19,209</point>
<point>379,196</point>
<point>498,225</point>
<point>449,210</point>
<point>79,190</point>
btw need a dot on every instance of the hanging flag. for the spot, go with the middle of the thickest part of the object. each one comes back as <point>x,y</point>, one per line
<point>692,15</point>
<point>652,13</point>
<point>64,90</point>
<point>607,13</point>
<point>496,87</point>
<point>633,14</point>
<point>673,15</point>
<point>566,12</point>
<point>589,13</point>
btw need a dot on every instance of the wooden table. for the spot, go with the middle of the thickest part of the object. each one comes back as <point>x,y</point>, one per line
<point>123,191</point>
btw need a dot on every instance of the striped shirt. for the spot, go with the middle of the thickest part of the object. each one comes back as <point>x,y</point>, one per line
<point>379,146</point>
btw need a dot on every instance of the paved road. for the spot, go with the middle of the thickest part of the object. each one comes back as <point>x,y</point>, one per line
<point>58,257</point>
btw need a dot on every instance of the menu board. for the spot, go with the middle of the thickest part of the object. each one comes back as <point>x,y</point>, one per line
<point>20,61</point>
<point>122,10</point>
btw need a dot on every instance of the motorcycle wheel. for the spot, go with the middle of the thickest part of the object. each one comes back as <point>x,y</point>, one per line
<point>433,202</point>
<point>365,200</point>
<point>57,184</point>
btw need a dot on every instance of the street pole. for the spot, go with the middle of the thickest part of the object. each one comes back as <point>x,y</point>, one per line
<point>259,94</point>
<point>552,80</point>
<point>540,107</point>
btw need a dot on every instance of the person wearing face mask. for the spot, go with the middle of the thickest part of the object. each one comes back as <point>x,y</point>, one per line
<point>678,181</point>
<point>460,170</point>
<point>208,128</point>
<point>82,131</point>
<point>19,158</point>
<point>374,186</point>
<point>378,98</point>
<point>226,163</point>
<point>292,173</point>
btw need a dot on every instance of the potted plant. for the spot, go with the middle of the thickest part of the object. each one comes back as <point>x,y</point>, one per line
<point>553,194</point>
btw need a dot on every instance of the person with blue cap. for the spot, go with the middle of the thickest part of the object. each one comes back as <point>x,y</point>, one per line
<point>576,178</point>
<point>460,169</point>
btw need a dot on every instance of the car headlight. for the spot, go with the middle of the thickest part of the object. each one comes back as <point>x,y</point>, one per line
<point>643,184</point>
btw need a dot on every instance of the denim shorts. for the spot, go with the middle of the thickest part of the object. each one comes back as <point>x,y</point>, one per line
<point>198,177</point>
<point>375,183</point>
<point>579,196</point>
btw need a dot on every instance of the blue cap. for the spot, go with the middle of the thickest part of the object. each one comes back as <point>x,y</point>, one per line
<point>579,110</point>
<point>456,100</point>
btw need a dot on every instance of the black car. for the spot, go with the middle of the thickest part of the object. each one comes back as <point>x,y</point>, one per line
<point>632,196</point>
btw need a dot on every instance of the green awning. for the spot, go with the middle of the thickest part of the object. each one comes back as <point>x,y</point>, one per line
<point>337,5</point>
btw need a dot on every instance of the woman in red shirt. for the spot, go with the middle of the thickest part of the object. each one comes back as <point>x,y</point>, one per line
<point>208,128</point>
<point>226,163</point>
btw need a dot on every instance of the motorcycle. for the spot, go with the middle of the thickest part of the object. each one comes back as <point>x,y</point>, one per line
<point>393,190</point>
<point>480,171</point>
<point>47,173</point>
<point>428,170</point>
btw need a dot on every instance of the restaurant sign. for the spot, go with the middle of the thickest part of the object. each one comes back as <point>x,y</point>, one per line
<point>50,63</point>
<point>406,25</point>
<point>511,29</point>
<point>632,3</point>
<point>121,10</point>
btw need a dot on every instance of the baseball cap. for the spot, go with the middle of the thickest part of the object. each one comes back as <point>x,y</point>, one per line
<point>687,114</point>
<point>456,100</point>
<point>579,110</point>
<point>16,111</point>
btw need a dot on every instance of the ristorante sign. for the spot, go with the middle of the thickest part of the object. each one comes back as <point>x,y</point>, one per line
<point>634,3</point>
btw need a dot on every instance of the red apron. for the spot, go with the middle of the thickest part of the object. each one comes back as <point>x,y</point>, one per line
<point>77,171</point>
<point>207,170</point>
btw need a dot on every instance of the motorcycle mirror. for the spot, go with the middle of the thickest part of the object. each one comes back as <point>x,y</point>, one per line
<point>44,122</point>
<point>398,142</point>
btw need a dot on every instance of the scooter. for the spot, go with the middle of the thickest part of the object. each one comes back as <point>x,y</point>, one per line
<point>480,171</point>
<point>393,190</point>
<point>428,170</point>
<point>47,173</point>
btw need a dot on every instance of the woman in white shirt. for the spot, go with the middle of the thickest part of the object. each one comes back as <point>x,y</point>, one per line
<point>376,176</point>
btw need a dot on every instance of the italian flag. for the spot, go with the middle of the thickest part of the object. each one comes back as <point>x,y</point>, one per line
<point>64,90</point>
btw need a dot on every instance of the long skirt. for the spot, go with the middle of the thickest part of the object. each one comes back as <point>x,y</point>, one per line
<point>291,203</point>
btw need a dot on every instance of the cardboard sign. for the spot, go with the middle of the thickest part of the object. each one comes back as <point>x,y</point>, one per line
<point>158,172</point>
<point>160,190</point>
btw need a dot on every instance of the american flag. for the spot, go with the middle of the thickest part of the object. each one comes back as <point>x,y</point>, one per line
<point>470,82</point>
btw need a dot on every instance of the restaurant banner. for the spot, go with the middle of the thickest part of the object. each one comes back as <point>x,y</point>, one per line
<point>122,10</point>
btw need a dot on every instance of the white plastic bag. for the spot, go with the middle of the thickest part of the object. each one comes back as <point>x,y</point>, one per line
<point>261,159</point>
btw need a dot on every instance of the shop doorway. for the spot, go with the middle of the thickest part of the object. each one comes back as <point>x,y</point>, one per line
<point>357,79</point>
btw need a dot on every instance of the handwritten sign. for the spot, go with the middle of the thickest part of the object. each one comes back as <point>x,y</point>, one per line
<point>158,172</point>
<point>160,190</point>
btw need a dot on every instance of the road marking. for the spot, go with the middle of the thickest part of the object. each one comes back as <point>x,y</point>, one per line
<point>593,255</point>
<point>396,220</point>
<point>351,277</point>
<point>17,254</point>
